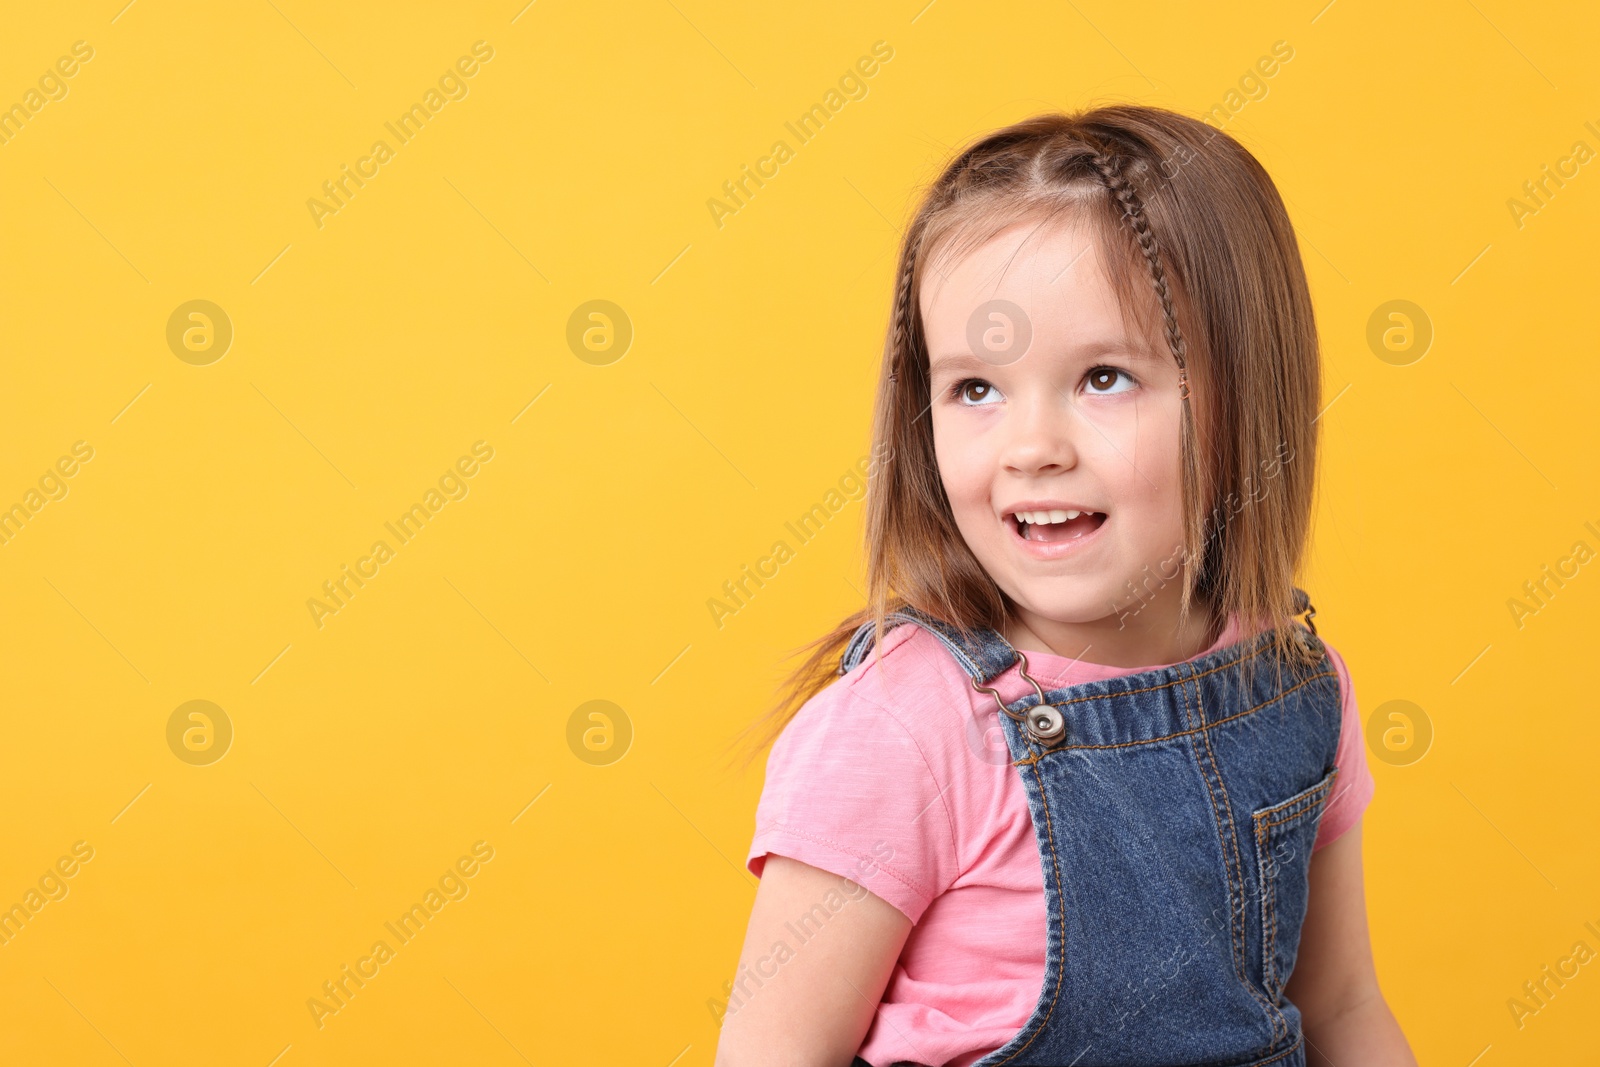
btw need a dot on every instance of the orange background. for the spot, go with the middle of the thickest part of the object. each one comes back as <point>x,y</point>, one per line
<point>633,472</point>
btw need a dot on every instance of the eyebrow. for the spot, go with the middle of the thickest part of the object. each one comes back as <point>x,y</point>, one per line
<point>952,362</point>
<point>955,361</point>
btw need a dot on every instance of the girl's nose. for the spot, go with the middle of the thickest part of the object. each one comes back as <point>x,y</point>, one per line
<point>1040,435</point>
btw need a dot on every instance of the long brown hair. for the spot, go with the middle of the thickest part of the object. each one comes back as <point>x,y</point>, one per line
<point>1194,232</point>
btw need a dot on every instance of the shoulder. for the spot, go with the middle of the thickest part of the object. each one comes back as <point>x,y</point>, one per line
<point>1351,730</point>
<point>897,710</point>
<point>1340,668</point>
<point>1354,788</point>
<point>871,770</point>
<point>906,663</point>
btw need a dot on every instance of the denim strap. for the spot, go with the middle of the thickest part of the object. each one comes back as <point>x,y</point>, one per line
<point>983,654</point>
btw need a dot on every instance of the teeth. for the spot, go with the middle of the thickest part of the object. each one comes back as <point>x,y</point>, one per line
<point>1041,518</point>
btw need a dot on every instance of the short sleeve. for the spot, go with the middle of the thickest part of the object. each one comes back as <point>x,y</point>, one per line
<point>849,790</point>
<point>1353,788</point>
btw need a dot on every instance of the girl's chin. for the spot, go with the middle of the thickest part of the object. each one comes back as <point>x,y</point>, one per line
<point>1089,613</point>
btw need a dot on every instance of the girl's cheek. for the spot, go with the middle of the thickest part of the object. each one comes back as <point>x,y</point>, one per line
<point>1135,412</point>
<point>1121,420</point>
<point>961,464</point>
<point>1136,442</point>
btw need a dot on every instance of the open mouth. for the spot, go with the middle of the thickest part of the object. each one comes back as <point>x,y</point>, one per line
<point>1055,526</point>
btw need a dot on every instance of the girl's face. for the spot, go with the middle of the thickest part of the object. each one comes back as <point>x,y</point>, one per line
<point>1044,403</point>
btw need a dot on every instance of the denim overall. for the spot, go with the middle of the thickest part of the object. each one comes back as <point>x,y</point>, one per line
<point>1175,814</point>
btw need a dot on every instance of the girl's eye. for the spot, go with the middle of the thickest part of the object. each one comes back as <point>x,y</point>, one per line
<point>1103,380</point>
<point>973,392</point>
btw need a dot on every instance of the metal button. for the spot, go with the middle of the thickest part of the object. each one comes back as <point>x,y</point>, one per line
<point>1046,723</point>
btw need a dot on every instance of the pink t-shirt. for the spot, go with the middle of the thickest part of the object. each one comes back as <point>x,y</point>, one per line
<point>896,776</point>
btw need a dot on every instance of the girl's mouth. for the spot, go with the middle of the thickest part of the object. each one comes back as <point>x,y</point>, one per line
<point>1055,526</point>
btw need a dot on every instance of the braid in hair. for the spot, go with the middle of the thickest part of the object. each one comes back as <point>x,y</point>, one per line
<point>902,304</point>
<point>1110,171</point>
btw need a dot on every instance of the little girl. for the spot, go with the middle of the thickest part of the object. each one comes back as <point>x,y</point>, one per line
<point>1088,790</point>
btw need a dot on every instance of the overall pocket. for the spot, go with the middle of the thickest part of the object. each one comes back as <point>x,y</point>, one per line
<point>1285,833</point>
